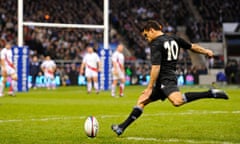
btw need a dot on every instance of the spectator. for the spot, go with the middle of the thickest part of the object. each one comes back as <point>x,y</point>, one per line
<point>231,71</point>
<point>73,75</point>
<point>34,70</point>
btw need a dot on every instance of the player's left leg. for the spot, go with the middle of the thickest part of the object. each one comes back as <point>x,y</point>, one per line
<point>89,84</point>
<point>95,83</point>
<point>143,100</point>
<point>122,85</point>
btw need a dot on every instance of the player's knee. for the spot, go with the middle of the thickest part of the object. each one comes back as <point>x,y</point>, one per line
<point>177,102</point>
<point>176,99</point>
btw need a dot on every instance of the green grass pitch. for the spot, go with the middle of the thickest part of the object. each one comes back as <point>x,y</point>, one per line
<point>57,117</point>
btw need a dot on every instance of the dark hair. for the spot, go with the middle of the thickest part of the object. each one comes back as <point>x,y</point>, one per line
<point>152,24</point>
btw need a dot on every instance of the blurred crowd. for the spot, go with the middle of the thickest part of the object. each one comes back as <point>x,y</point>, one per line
<point>213,13</point>
<point>215,10</point>
<point>58,11</point>
<point>126,19</point>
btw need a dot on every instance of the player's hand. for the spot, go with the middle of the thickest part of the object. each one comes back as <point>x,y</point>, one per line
<point>122,69</point>
<point>147,92</point>
<point>144,98</point>
<point>209,53</point>
<point>81,72</point>
<point>3,68</point>
<point>115,72</point>
<point>4,71</point>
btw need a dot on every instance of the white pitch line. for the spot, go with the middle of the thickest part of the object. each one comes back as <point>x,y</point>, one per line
<point>190,112</point>
<point>43,119</point>
<point>175,140</point>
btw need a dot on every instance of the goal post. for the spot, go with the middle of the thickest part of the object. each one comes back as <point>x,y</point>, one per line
<point>105,75</point>
<point>105,25</point>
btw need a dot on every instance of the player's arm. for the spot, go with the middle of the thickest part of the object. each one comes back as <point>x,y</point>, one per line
<point>156,58</point>
<point>2,59</point>
<point>153,75</point>
<point>54,67</point>
<point>42,67</point>
<point>99,66</point>
<point>123,67</point>
<point>198,49</point>
<point>3,66</point>
<point>194,47</point>
<point>82,68</point>
<point>3,63</point>
<point>114,63</point>
<point>114,66</point>
<point>153,78</point>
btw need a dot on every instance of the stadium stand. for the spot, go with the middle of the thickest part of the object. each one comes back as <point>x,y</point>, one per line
<point>213,13</point>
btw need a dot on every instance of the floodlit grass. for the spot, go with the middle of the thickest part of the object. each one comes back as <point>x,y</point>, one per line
<point>57,117</point>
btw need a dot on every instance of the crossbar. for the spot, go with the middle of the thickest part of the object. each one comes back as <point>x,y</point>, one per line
<point>60,25</point>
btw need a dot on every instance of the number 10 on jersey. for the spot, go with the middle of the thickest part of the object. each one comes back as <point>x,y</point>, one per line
<point>172,48</point>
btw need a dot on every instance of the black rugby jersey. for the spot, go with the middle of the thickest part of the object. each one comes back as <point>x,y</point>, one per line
<point>164,52</point>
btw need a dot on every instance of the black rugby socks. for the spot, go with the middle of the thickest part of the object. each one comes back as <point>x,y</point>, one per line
<point>136,112</point>
<point>191,96</point>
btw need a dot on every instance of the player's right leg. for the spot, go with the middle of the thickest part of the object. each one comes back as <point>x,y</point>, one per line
<point>4,80</point>
<point>122,83</point>
<point>211,93</point>
<point>177,99</point>
<point>89,75</point>
<point>13,84</point>
<point>2,86</point>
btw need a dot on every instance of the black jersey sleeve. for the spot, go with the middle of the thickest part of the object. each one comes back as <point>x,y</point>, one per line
<point>183,44</point>
<point>156,55</point>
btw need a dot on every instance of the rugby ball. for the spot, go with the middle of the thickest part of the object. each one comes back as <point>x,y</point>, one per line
<point>91,126</point>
